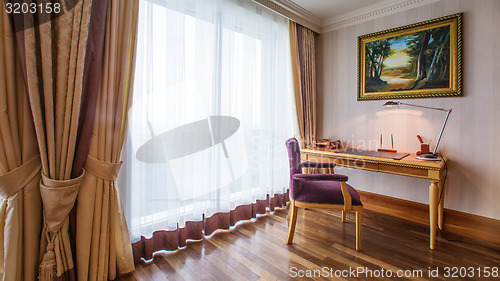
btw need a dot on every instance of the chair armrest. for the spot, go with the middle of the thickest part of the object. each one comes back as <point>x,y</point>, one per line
<point>317,165</point>
<point>320,177</point>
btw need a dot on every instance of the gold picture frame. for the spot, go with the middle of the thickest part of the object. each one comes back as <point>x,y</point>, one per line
<point>421,60</point>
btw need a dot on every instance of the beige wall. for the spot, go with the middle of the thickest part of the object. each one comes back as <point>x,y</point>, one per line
<point>472,139</point>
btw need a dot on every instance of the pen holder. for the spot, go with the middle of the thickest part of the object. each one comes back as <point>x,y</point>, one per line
<point>424,148</point>
<point>387,150</point>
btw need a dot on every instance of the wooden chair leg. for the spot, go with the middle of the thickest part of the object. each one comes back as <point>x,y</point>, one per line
<point>359,225</point>
<point>343,216</point>
<point>293,220</point>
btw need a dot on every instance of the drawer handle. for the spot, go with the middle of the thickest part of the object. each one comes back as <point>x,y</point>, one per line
<point>358,163</point>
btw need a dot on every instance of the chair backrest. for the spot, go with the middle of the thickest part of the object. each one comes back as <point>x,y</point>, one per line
<point>292,145</point>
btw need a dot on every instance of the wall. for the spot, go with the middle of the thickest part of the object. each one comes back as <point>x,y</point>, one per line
<point>472,138</point>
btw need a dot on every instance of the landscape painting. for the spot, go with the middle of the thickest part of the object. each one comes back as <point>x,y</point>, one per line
<point>419,60</point>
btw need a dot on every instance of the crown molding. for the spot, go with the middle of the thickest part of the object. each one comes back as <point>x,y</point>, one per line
<point>371,12</point>
<point>293,12</point>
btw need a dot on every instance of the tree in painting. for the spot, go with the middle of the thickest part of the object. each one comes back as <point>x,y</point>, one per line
<point>376,52</point>
<point>419,60</point>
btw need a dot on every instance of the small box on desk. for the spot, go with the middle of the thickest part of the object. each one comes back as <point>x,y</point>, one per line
<point>328,144</point>
<point>424,149</point>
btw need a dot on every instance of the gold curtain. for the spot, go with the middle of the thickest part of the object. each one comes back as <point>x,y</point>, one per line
<point>103,248</point>
<point>302,44</point>
<point>54,54</point>
<point>20,202</point>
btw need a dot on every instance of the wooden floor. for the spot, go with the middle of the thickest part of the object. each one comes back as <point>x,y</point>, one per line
<point>257,251</point>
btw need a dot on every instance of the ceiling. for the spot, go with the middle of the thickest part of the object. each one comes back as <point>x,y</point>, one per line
<point>325,9</point>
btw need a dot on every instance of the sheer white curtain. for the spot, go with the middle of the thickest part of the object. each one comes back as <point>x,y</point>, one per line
<point>212,108</point>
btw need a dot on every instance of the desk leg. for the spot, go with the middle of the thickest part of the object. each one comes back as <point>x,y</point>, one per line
<point>433,212</point>
<point>441,204</point>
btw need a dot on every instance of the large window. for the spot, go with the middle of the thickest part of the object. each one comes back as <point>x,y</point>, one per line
<point>212,107</point>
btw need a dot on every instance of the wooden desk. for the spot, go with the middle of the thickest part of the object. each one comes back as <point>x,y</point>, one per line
<point>433,171</point>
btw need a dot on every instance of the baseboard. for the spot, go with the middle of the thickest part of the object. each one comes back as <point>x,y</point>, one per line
<point>465,224</point>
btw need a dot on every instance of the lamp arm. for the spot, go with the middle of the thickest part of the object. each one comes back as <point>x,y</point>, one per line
<point>428,107</point>
<point>442,131</point>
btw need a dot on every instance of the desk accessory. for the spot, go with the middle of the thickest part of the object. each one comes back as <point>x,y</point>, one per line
<point>328,143</point>
<point>387,149</point>
<point>424,147</point>
<point>433,155</point>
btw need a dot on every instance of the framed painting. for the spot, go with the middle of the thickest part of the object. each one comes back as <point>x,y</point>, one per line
<point>420,60</point>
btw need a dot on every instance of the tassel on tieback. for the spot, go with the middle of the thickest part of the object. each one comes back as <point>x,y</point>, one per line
<point>48,264</point>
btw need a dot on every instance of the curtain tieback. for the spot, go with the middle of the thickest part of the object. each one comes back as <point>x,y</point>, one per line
<point>15,180</point>
<point>101,169</point>
<point>58,197</point>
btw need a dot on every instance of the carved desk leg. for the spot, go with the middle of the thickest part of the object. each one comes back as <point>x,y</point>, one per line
<point>433,212</point>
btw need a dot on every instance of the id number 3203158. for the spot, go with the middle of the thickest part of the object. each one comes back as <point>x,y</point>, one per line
<point>462,272</point>
<point>33,8</point>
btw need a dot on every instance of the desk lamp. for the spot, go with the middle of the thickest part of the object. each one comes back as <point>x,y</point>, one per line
<point>433,155</point>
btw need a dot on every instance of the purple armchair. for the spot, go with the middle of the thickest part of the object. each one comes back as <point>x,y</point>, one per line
<point>324,191</point>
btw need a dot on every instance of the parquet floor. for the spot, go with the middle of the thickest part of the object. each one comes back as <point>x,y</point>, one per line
<point>324,247</point>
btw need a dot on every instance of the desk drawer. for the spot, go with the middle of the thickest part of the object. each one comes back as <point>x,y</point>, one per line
<point>357,164</point>
<point>405,171</point>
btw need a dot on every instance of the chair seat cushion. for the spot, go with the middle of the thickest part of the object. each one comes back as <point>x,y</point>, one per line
<point>325,192</point>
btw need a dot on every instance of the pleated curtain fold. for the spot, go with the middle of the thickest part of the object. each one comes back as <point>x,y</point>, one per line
<point>302,45</point>
<point>76,69</point>
<point>54,55</point>
<point>20,202</point>
<point>103,249</point>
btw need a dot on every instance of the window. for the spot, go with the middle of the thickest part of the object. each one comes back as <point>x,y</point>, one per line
<point>212,108</point>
